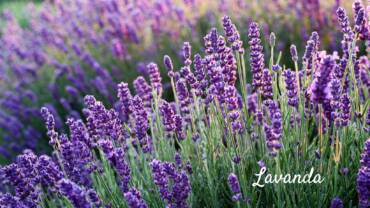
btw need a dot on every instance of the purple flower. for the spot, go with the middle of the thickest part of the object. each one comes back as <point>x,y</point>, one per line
<point>336,203</point>
<point>50,125</point>
<point>273,132</point>
<point>319,87</point>
<point>234,183</point>
<point>48,172</point>
<point>7,200</point>
<point>190,79</point>
<point>102,122</point>
<point>134,199</point>
<point>168,116</point>
<point>155,78</point>
<point>74,193</point>
<point>291,87</point>
<point>293,53</point>
<point>186,53</point>
<point>125,97</point>
<point>141,118</point>
<point>363,177</point>
<point>94,198</point>
<point>272,39</point>
<point>175,193</point>
<point>267,84</point>
<point>184,98</point>
<point>346,109</point>
<point>168,63</point>
<point>310,52</point>
<point>200,74</point>
<point>232,33</point>
<point>345,25</point>
<point>144,91</point>
<point>256,55</point>
<point>233,108</point>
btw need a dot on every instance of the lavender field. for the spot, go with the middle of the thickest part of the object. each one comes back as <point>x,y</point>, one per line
<point>184,103</point>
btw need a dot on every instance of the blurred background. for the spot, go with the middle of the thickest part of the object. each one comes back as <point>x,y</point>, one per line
<point>52,53</point>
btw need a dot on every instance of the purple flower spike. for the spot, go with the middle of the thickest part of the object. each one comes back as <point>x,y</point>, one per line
<point>144,91</point>
<point>50,125</point>
<point>74,193</point>
<point>294,53</point>
<point>346,109</point>
<point>267,84</point>
<point>336,203</point>
<point>319,87</point>
<point>125,97</point>
<point>168,116</point>
<point>363,177</point>
<point>141,124</point>
<point>134,199</point>
<point>345,25</point>
<point>168,65</point>
<point>184,98</point>
<point>291,86</point>
<point>235,187</point>
<point>256,55</point>
<point>155,78</point>
<point>186,52</point>
<point>232,33</point>
<point>174,185</point>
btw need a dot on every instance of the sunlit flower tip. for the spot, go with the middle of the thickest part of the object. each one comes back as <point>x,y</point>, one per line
<point>168,63</point>
<point>272,39</point>
<point>276,68</point>
<point>294,53</point>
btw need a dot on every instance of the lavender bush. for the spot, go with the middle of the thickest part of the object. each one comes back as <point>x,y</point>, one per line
<point>205,148</point>
<point>72,48</point>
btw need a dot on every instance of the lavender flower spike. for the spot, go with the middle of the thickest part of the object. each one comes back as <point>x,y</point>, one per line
<point>155,78</point>
<point>235,187</point>
<point>363,177</point>
<point>134,199</point>
<point>256,55</point>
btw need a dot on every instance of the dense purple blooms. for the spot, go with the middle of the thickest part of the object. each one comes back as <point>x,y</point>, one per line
<point>144,91</point>
<point>125,97</point>
<point>141,124</point>
<point>134,199</point>
<point>168,116</point>
<point>363,177</point>
<point>345,25</point>
<point>102,122</point>
<point>319,87</point>
<point>233,108</point>
<point>267,84</point>
<point>184,98</point>
<point>346,109</point>
<point>232,33</point>
<point>155,78</point>
<point>177,193</point>
<point>291,86</point>
<point>256,55</point>
<point>49,171</point>
<point>76,194</point>
<point>273,132</point>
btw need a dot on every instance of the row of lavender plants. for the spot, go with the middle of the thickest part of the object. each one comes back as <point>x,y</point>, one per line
<point>78,47</point>
<point>204,148</point>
